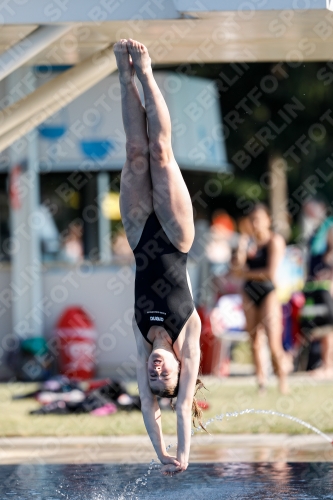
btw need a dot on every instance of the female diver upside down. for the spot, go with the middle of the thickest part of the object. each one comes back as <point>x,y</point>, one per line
<point>157,214</point>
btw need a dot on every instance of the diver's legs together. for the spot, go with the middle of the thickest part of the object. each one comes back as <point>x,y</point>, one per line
<point>151,177</point>
<point>136,187</point>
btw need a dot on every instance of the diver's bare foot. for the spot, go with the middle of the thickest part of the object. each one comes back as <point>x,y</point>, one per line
<point>125,67</point>
<point>140,58</point>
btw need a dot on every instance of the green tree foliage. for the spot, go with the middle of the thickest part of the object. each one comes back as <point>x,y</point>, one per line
<point>273,109</point>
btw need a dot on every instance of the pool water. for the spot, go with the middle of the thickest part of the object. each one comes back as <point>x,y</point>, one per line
<point>236,481</point>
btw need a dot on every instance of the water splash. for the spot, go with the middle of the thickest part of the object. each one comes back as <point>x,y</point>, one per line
<point>131,488</point>
<point>267,412</point>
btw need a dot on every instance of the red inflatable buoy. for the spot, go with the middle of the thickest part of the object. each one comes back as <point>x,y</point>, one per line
<point>76,334</point>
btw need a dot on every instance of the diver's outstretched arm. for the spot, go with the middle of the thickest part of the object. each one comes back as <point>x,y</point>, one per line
<point>188,377</point>
<point>149,406</point>
<point>187,384</point>
<point>152,418</point>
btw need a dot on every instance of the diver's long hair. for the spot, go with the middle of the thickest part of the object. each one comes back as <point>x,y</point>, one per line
<point>172,392</point>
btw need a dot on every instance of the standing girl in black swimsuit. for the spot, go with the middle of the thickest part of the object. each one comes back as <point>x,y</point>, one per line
<point>257,265</point>
<point>157,215</point>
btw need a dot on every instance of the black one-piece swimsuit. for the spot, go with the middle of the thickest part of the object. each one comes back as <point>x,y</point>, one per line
<point>162,294</point>
<point>255,289</point>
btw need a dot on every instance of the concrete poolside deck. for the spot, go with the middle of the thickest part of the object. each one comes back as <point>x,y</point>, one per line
<point>138,449</point>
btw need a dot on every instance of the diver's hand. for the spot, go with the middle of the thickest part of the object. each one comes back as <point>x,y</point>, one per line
<point>171,469</point>
<point>183,466</point>
<point>171,465</point>
<point>169,460</point>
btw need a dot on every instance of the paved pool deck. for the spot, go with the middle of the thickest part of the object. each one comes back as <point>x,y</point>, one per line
<point>138,449</point>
